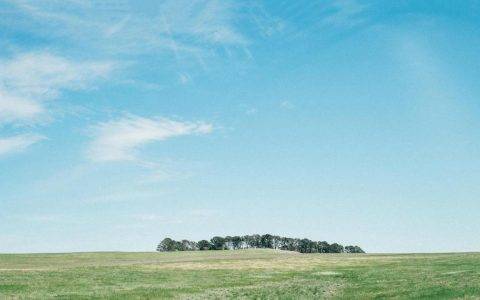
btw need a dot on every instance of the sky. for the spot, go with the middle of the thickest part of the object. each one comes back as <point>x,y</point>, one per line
<point>350,121</point>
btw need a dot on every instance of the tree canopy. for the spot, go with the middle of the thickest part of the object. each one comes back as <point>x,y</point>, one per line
<point>256,241</point>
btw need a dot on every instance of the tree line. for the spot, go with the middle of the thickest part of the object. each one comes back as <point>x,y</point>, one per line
<point>256,241</point>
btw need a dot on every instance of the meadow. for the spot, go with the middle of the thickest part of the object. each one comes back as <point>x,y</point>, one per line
<point>259,274</point>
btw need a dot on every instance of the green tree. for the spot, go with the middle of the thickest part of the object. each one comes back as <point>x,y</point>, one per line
<point>266,241</point>
<point>167,244</point>
<point>189,245</point>
<point>306,246</point>
<point>257,241</point>
<point>228,242</point>
<point>335,248</point>
<point>249,241</point>
<point>204,245</point>
<point>323,247</point>
<point>218,243</point>
<point>353,249</point>
<point>237,242</point>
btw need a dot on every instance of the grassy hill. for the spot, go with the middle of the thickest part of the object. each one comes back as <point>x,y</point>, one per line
<point>240,274</point>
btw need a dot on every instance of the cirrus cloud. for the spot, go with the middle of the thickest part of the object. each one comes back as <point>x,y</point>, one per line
<point>18,143</point>
<point>119,140</point>
<point>28,80</point>
<point>18,109</point>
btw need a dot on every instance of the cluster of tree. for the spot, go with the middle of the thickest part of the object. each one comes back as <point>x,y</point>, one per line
<point>256,241</point>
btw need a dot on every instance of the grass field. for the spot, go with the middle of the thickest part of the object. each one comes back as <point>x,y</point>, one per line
<point>238,274</point>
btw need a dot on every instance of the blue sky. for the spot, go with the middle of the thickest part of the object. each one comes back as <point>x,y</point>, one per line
<point>122,122</point>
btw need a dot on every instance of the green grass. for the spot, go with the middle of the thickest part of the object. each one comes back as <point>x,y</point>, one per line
<point>260,274</point>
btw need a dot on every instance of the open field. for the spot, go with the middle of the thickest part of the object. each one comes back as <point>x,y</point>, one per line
<point>238,274</point>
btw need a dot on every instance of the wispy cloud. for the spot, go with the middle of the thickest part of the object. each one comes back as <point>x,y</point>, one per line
<point>186,37</point>
<point>209,21</point>
<point>18,109</point>
<point>18,143</point>
<point>344,13</point>
<point>43,74</point>
<point>28,80</point>
<point>119,140</point>
<point>131,26</point>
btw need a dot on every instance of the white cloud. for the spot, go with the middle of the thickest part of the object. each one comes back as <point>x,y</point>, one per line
<point>175,25</point>
<point>18,143</point>
<point>41,74</point>
<point>213,22</point>
<point>345,13</point>
<point>118,140</point>
<point>18,109</point>
<point>28,80</point>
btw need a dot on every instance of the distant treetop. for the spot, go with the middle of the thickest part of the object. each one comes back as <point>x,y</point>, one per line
<point>256,241</point>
